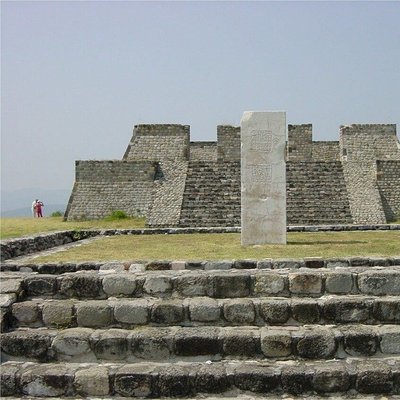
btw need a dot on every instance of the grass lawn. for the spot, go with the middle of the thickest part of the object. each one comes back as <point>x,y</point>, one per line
<point>17,227</point>
<point>227,246</point>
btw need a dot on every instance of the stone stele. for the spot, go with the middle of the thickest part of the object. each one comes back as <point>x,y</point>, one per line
<point>263,177</point>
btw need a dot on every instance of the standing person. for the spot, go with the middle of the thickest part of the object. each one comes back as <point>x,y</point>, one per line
<point>39,206</point>
<point>34,214</point>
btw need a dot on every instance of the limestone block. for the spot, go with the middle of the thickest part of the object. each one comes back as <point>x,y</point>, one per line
<point>390,339</point>
<point>119,284</point>
<point>305,283</point>
<point>8,385</point>
<point>291,264</point>
<point>46,380</point>
<point>345,310</point>
<point>211,379</point>
<point>10,285</point>
<point>135,381</point>
<point>305,311</point>
<point>239,311</point>
<point>387,310</point>
<point>167,312</point>
<point>174,381</point>
<point>28,344</point>
<point>263,178</point>
<point>132,312</point>
<point>80,285</point>
<point>92,381</point>
<point>379,283</point>
<point>218,265</point>
<point>245,264</point>
<point>204,309</point>
<point>339,282</point>
<point>316,344</point>
<point>256,379</point>
<point>192,285</point>
<point>71,342</point>
<point>276,342</point>
<point>197,341</point>
<point>7,299</point>
<point>330,378</point>
<point>157,285</point>
<point>152,344</point>
<point>296,380</point>
<point>94,313</point>
<point>26,312</point>
<point>270,284</point>
<point>58,313</point>
<point>274,311</point>
<point>265,264</point>
<point>113,266</point>
<point>360,341</point>
<point>231,285</point>
<point>237,342</point>
<point>38,285</point>
<point>109,344</point>
<point>374,378</point>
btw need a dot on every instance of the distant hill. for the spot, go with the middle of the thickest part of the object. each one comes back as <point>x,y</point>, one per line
<point>27,211</point>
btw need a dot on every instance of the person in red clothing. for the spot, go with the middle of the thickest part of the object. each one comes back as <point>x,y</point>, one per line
<point>39,206</point>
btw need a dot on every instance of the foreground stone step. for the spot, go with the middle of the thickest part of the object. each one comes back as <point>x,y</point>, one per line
<point>374,281</point>
<point>233,378</point>
<point>180,343</point>
<point>197,311</point>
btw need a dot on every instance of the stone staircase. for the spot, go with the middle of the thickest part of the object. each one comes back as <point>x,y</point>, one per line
<point>317,194</point>
<point>212,194</point>
<point>219,329</point>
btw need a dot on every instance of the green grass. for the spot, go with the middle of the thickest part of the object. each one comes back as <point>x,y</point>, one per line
<point>227,246</point>
<point>17,227</point>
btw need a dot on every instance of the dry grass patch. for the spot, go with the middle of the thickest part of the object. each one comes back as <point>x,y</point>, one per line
<point>17,227</point>
<point>227,246</point>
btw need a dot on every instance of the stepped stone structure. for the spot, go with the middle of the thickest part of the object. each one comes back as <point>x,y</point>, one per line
<point>175,182</point>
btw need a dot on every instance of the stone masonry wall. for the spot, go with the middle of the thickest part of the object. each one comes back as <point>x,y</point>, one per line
<point>388,179</point>
<point>159,142</point>
<point>300,144</point>
<point>203,151</point>
<point>325,151</point>
<point>228,143</point>
<point>104,186</point>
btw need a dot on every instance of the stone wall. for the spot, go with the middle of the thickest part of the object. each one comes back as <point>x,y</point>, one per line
<point>159,142</point>
<point>300,143</point>
<point>203,151</point>
<point>325,151</point>
<point>104,186</point>
<point>388,179</point>
<point>228,143</point>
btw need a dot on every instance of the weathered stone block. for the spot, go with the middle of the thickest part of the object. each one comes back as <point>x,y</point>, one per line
<point>81,286</point>
<point>92,381</point>
<point>374,378</point>
<point>110,344</point>
<point>256,379</point>
<point>270,284</point>
<point>330,378</point>
<point>276,342</point>
<point>296,380</point>
<point>167,312</point>
<point>360,341</point>
<point>197,342</point>
<point>174,381</point>
<point>218,265</point>
<point>72,342</point>
<point>152,344</point>
<point>239,311</point>
<point>157,285</point>
<point>387,310</point>
<point>245,264</point>
<point>390,339</point>
<point>134,312</point>
<point>231,285</point>
<point>240,343</point>
<point>10,285</point>
<point>7,299</point>
<point>346,310</point>
<point>305,311</point>
<point>26,312</point>
<point>135,381</point>
<point>379,283</point>
<point>305,283</point>
<point>96,313</point>
<point>316,344</point>
<point>9,385</point>
<point>314,262</point>
<point>204,309</point>
<point>274,311</point>
<point>339,282</point>
<point>58,314</point>
<point>211,379</point>
<point>192,286</point>
<point>39,285</point>
<point>122,284</point>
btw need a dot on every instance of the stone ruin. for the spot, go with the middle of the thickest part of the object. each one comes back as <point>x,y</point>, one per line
<point>175,182</point>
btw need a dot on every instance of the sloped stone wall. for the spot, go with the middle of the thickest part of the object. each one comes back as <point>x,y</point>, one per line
<point>326,151</point>
<point>203,151</point>
<point>104,186</point>
<point>228,143</point>
<point>299,147</point>
<point>388,179</point>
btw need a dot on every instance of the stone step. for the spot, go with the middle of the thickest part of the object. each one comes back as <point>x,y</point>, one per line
<point>198,311</point>
<point>201,343</point>
<point>373,281</point>
<point>355,378</point>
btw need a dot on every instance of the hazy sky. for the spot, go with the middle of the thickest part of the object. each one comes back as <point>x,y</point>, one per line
<point>76,76</point>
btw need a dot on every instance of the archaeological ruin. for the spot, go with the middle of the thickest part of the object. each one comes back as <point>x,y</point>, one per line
<point>175,182</point>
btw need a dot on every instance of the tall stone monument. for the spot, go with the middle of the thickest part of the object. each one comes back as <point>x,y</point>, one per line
<point>263,177</point>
